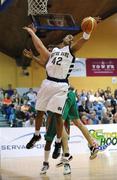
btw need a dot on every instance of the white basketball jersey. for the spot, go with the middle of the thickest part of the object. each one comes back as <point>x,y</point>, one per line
<point>60,63</point>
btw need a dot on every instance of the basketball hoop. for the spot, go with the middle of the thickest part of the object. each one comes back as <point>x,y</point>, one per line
<point>37,7</point>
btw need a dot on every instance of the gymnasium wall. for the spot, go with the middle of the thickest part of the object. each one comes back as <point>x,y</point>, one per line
<point>10,73</point>
<point>103,43</point>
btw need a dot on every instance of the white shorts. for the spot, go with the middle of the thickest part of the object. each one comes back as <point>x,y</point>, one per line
<point>52,96</point>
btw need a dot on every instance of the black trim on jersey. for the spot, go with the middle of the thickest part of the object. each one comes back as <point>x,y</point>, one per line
<point>57,80</point>
<point>73,62</point>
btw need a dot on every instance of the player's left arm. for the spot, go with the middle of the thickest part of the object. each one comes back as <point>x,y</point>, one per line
<point>40,47</point>
<point>29,54</point>
<point>85,37</point>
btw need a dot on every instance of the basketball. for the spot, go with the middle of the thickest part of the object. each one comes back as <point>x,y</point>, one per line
<point>88,24</point>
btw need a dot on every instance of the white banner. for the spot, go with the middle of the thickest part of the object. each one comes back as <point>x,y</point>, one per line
<point>79,69</point>
<point>13,140</point>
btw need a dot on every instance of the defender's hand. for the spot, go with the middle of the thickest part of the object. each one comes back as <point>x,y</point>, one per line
<point>28,53</point>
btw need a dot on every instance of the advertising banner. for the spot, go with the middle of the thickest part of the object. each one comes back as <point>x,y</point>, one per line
<point>79,69</point>
<point>14,140</point>
<point>101,67</point>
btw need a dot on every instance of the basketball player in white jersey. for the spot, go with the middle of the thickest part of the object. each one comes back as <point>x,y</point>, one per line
<point>53,91</point>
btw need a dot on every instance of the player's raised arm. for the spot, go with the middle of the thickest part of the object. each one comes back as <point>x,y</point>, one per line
<point>29,54</point>
<point>88,25</point>
<point>42,50</point>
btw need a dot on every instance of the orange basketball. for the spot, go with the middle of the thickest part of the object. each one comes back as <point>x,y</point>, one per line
<point>88,24</point>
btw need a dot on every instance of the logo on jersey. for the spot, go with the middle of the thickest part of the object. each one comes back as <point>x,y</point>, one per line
<point>60,108</point>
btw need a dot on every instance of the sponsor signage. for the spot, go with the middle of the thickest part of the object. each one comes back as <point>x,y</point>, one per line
<point>101,67</point>
<point>79,69</point>
<point>13,140</point>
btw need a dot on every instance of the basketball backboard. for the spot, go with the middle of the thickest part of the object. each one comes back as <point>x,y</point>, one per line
<point>53,21</point>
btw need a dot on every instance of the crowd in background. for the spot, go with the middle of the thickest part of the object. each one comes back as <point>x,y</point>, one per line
<point>98,107</point>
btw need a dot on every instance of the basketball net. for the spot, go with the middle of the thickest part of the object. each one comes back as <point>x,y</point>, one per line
<point>37,7</point>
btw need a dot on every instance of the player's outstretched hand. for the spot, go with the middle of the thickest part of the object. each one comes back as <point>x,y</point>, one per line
<point>29,30</point>
<point>28,53</point>
<point>32,27</point>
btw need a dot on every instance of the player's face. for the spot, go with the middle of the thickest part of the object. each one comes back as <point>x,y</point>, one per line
<point>68,39</point>
<point>50,49</point>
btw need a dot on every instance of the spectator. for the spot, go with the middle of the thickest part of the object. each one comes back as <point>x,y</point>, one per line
<point>91,96</point>
<point>83,108</point>
<point>85,120</point>
<point>98,97</point>
<point>115,94</point>
<point>108,90</point>
<point>6,102</point>
<point>32,96</point>
<point>20,117</point>
<point>30,122</point>
<point>12,117</point>
<point>93,118</point>
<point>106,113</point>
<point>115,118</point>
<point>10,91</point>
<point>1,97</point>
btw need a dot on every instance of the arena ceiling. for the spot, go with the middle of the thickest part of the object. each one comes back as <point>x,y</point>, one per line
<point>13,39</point>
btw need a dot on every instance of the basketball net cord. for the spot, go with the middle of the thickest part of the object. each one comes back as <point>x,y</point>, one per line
<point>36,7</point>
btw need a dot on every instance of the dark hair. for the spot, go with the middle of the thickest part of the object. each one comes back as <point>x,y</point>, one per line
<point>71,88</point>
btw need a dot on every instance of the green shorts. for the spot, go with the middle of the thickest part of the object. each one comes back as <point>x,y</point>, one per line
<point>70,111</point>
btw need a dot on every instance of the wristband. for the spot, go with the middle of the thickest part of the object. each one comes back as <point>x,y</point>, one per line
<point>86,36</point>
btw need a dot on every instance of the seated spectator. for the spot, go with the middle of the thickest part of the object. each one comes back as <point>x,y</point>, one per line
<point>97,107</point>
<point>20,117</point>
<point>85,120</point>
<point>107,116</point>
<point>30,122</point>
<point>97,97</point>
<point>114,106</point>
<point>10,90</point>
<point>108,90</point>
<point>7,100</point>
<point>83,107</point>
<point>16,98</point>
<point>25,108</point>
<point>5,103</point>
<point>83,95</point>
<point>115,118</point>
<point>115,93</point>
<point>32,95</point>
<point>1,97</point>
<point>101,92</point>
<point>91,96</point>
<point>93,118</point>
<point>12,117</point>
<point>1,94</point>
